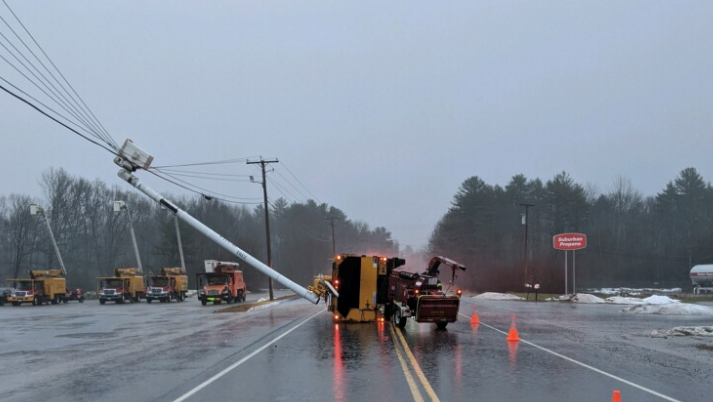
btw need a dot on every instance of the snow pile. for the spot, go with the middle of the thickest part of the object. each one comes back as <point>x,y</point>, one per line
<point>636,301</point>
<point>670,309</point>
<point>586,299</point>
<point>496,296</point>
<point>633,292</point>
<point>683,331</point>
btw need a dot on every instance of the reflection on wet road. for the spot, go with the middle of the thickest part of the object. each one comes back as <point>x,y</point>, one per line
<point>294,351</point>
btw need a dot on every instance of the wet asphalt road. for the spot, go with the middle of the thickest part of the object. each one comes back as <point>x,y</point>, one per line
<point>292,351</point>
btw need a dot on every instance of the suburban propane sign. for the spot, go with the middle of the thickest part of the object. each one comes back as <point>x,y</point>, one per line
<point>569,241</point>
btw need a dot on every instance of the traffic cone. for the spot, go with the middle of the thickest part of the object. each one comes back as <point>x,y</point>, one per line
<point>513,335</point>
<point>474,319</point>
<point>616,397</point>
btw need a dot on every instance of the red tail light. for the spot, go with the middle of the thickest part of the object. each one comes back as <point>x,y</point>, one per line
<point>459,292</point>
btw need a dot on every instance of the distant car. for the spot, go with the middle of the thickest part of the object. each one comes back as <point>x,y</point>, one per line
<point>75,294</point>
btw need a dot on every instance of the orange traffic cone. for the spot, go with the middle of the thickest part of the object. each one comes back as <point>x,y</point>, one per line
<point>474,319</point>
<point>513,335</point>
<point>616,397</point>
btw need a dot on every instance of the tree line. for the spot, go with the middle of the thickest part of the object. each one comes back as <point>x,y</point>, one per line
<point>633,240</point>
<point>94,240</point>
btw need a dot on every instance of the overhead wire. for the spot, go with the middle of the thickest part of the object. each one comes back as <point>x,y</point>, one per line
<point>82,114</point>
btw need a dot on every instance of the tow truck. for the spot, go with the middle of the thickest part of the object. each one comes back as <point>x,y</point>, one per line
<point>373,288</point>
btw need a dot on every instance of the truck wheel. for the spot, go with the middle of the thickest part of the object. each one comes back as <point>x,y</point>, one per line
<point>229,299</point>
<point>203,302</point>
<point>400,321</point>
<point>15,303</point>
<point>102,301</point>
<point>81,300</point>
<point>181,296</point>
<point>240,296</point>
<point>441,325</point>
<point>148,300</point>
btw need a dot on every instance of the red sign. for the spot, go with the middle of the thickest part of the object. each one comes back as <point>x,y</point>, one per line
<point>569,241</point>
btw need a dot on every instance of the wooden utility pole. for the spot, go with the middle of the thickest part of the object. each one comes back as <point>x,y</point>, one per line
<point>525,222</point>
<point>334,244</point>
<point>262,164</point>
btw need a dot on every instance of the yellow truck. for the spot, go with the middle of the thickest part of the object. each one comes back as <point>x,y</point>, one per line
<point>171,284</point>
<point>127,284</point>
<point>43,287</point>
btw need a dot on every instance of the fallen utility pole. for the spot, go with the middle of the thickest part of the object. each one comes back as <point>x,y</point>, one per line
<point>131,158</point>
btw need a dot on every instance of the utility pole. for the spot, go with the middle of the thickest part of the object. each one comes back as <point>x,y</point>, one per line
<point>262,164</point>
<point>334,244</point>
<point>525,223</point>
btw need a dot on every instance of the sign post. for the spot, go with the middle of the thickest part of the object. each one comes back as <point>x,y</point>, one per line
<point>566,242</point>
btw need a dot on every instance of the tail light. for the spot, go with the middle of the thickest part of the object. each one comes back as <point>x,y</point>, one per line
<point>459,292</point>
<point>336,316</point>
<point>415,291</point>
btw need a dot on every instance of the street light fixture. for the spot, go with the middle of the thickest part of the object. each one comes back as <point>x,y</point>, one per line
<point>118,207</point>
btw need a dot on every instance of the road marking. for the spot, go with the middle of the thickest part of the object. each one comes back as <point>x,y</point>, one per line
<point>404,366</point>
<point>596,370</point>
<point>241,361</point>
<point>424,382</point>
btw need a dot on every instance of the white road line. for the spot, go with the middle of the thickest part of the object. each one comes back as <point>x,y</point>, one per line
<point>241,361</point>
<point>596,370</point>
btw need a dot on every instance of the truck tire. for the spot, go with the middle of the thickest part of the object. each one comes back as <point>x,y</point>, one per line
<point>240,296</point>
<point>204,302</point>
<point>441,325</point>
<point>149,300</point>
<point>102,301</point>
<point>181,296</point>
<point>81,300</point>
<point>398,319</point>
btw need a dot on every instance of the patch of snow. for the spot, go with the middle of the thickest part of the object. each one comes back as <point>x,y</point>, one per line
<point>262,299</point>
<point>624,300</point>
<point>670,309</point>
<point>586,299</point>
<point>660,300</point>
<point>496,296</point>
<point>683,331</point>
<point>632,291</point>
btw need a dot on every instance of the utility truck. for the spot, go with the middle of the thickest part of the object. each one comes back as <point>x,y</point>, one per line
<point>374,288</point>
<point>127,284</point>
<point>171,284</point>
<point>43,287</point>
<point>221,282</point>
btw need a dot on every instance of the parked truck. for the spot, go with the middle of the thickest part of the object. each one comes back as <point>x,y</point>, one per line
<point>127,284</point>
<point>171,284</point>
<point>221,282</point>
<point>43,287</point>
<point>373,288</point>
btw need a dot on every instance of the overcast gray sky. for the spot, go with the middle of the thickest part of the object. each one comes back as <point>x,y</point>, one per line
<point>379,108</point>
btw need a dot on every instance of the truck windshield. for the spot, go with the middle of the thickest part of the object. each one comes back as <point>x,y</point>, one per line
<point>217,280</point>
<point>159,281</point>
<point>23,285</point>
<point>112,283</point>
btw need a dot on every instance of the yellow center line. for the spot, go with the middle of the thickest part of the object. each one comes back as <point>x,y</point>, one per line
<point>409,378</point>
<point>419,373</point>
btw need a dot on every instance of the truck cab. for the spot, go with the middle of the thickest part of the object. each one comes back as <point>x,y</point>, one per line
<point>222,282</point>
